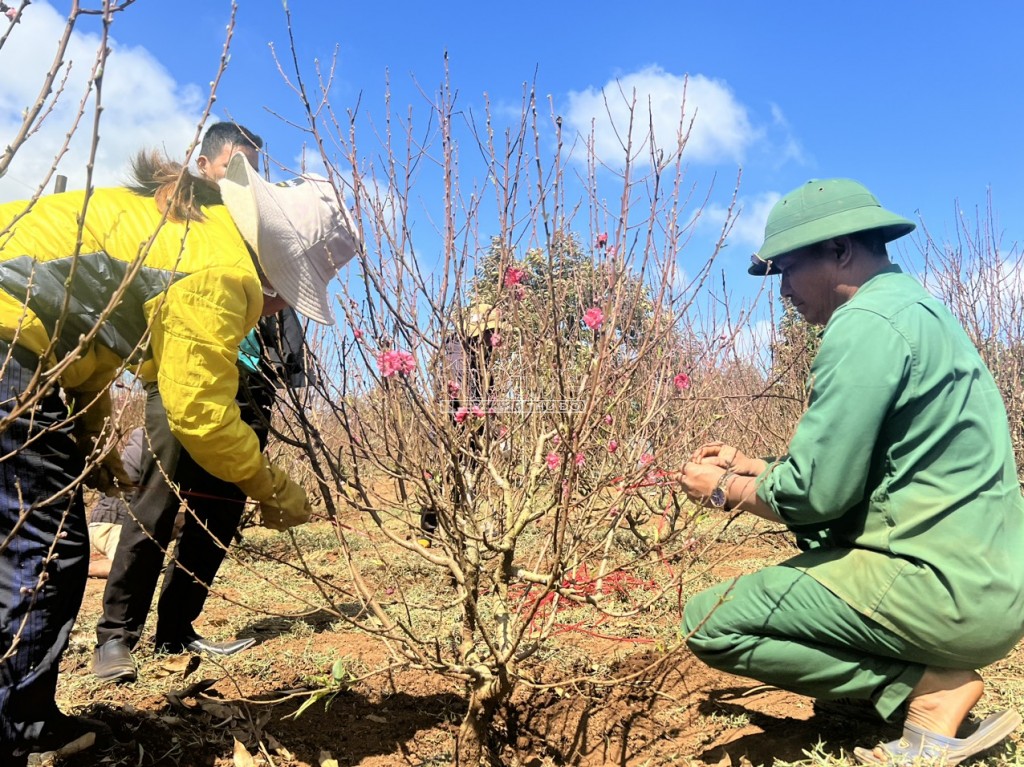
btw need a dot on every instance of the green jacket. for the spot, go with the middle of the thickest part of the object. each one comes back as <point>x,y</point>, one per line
<point>900,478</point>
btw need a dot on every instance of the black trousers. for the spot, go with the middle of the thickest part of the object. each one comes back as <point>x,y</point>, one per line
<point>213,511</point>
<point>44,552</point>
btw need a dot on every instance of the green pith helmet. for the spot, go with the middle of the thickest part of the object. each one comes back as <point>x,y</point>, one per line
<point>820,210</point>
<point>480,317</point>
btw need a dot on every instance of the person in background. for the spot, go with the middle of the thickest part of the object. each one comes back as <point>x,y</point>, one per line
<point>467,384</point>
<point>213,507</point>
<point>79,301</point>
<point>111,511</point>
<point>900,485</point>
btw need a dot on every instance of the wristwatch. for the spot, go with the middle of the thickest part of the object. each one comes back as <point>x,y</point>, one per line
<point>718,496</point>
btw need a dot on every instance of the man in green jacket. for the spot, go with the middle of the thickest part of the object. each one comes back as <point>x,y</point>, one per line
<point>899,483</point>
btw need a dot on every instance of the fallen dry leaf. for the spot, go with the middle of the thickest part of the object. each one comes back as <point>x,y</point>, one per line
<point>218,710</point>
<point>242,756</point>
<point>178,697</point>
<point>174,665</point>
<point>275,745</point>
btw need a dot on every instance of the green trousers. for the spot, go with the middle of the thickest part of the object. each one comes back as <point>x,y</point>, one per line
<point>782,627</point>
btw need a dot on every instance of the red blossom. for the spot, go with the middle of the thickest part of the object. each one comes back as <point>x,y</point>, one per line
<point>613,445</point>
<point>580,459</point>
<point>513,276</point>
<point>453,389</point>
<point>646,459</point>
<point>477,411</point>
<point>682,381</point>
<point>496,340</point>
<point>593,317</point>
<point>395,361</point>
<point>608,419</point>
<point>461,414</point>
<point>553,461</point>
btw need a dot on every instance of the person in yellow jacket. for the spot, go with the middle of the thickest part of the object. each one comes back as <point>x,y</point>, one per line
<point>164,278</point>
<point>168,475</point>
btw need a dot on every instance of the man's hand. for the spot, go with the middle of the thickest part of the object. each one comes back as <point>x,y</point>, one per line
<point>283,503</point>
<point>699,480</point>
<point>728,457</point>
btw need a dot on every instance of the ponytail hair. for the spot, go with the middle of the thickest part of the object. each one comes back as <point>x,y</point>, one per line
<point>175,190</point>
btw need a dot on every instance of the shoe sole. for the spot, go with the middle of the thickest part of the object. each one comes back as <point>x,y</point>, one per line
<point>198,649</point>
<point>989,733</point>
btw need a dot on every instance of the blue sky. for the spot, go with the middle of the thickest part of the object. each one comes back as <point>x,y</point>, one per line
<point>919,100</point>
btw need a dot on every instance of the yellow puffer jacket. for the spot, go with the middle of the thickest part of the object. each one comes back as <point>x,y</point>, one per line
<point>178,308</point>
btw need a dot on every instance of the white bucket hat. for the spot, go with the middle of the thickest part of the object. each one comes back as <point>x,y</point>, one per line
<point>300,233</point>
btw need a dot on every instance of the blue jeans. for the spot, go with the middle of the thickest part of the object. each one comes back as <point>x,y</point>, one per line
<point>44,550</point>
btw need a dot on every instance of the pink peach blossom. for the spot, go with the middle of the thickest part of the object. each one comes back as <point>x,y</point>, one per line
<point>395,361</point>
<point>593,318</point>
<point>513,276</point>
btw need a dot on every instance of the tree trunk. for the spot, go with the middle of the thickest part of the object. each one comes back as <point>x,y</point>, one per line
<point>474,745</point>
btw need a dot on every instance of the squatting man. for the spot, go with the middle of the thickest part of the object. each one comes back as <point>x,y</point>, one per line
<point>899,484</point>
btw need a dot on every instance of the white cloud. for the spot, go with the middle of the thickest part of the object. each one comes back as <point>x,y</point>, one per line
<point>306,161</point>
<point>143,106</point>
<point>722,131</point>
<point>748,229</point>
<point>784,146</point>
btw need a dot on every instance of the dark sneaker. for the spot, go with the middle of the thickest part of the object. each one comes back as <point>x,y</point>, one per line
<point>194,643</point>
<point>112,662</point>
